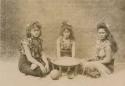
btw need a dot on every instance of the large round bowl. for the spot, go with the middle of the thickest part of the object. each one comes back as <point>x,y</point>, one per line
<point>66,61</point>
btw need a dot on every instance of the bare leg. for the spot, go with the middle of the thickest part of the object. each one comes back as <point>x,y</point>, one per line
<point>103,70</point>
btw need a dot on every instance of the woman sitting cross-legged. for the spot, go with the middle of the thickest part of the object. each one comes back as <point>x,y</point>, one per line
<point>103,64</point>
<point>32,58</point>
<point>66,44</point>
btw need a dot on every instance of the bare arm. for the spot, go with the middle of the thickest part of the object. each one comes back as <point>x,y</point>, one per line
<point>73,49</point>
<point>58,48</point>
<point>28,54</point>
<point>44,57</point>
<point>108,57</point>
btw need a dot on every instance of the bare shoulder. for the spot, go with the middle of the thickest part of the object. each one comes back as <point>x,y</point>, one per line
<point>41,40</point>
<point>97,42</point>
<point>59,39</point>
<point>107,43</point>
<point>25,41</point>
<point>73,41</point>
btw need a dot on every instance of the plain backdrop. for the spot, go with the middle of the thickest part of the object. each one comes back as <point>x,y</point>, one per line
<point>83,15</point>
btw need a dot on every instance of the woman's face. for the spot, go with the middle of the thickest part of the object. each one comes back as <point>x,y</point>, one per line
<point>35,32</point>
<point>66,33</point>
<point>102,34</point>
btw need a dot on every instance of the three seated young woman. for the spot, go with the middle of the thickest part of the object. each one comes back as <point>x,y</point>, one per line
<point>33,60</point>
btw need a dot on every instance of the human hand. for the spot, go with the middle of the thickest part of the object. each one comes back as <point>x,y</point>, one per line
<point>54,58</point>
<point>42,68</point>
<point>47,68</point>
<point>33,66</point>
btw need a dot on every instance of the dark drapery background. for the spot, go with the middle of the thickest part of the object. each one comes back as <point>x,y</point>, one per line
<point>83,15</point>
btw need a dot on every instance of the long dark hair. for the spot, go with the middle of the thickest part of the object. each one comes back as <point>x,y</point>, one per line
<point>109,36</point>
<point>69,28</point>
<point>31,26</point>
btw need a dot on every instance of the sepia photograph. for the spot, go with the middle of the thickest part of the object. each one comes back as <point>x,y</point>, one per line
<point>62,43</point>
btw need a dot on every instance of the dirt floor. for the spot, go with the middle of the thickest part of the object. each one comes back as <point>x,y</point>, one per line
<point>10,76</point>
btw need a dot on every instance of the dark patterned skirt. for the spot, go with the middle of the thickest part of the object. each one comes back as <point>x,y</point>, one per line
<point>67,53</point>
<point>25,67</point>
